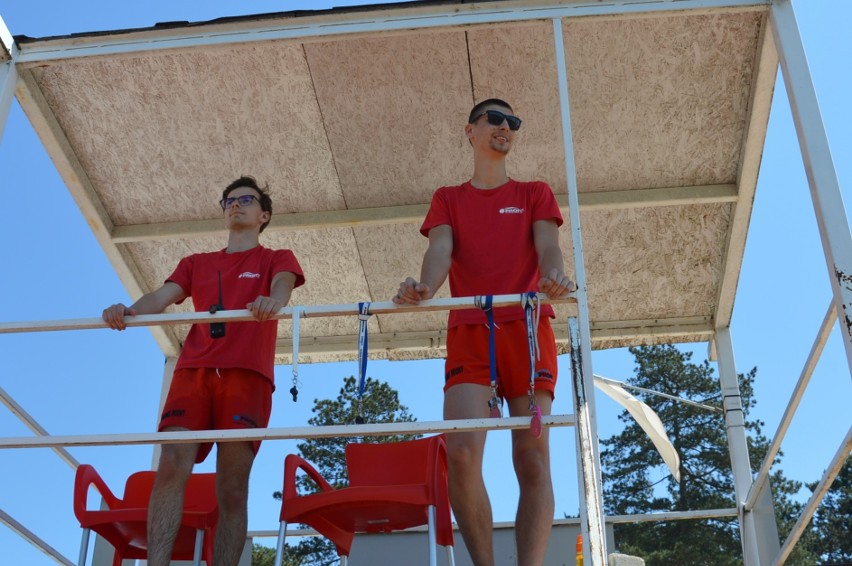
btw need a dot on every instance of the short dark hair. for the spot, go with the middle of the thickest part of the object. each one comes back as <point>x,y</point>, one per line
<point>262,192</point>
<point>477,109</point>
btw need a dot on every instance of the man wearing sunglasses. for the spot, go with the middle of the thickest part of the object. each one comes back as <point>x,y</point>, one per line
<point>224,375</point>
<point>493,235</point>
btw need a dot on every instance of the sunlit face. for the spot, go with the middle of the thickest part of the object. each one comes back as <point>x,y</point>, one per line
<point>244,212</point>
<point>485,134</point>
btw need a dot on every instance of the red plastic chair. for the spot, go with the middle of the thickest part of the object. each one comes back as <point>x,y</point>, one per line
<point>124,523</point>
<point>392,486</point>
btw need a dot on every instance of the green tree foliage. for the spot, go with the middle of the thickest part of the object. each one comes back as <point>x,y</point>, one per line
<point>636,480</point>
<point>380,404</point>
<point>263,556</point>
<point>833,519</point>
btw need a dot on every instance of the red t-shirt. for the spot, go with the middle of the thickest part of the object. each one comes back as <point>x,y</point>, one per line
<point>245,276</point>
<point>493,248</point>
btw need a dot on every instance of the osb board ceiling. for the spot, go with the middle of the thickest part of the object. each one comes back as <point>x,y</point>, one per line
<point>375,121</point>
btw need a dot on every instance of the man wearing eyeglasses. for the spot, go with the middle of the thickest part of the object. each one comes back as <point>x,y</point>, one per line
<point>224,375</point>
<point>493,235</point>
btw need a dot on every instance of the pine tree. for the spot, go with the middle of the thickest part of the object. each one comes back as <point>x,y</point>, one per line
<point>833,519</point>
<point>636,481</point>
<point>380,404</point>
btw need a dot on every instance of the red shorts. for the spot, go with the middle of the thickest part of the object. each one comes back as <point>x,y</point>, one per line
<point>211,399</point>
<point>468,360</point>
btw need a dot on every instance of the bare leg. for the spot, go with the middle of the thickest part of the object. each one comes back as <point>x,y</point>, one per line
<point>531,457</point>
<point>233,466</point>
<point>468,495</point>
<point>165,508</point>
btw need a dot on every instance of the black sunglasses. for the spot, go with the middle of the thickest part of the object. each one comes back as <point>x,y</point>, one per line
<point>495,118</point>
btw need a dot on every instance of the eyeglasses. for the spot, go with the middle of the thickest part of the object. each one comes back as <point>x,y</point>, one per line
<point>243,200</point>
<point>495,118</point>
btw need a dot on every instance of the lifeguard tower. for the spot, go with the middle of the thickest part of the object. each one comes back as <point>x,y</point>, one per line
<point>648,119</point>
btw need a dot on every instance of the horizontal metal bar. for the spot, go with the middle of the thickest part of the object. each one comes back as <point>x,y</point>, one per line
<point>350,309</point>
<point>410,213</point>
<point>33,425</point>
<point>828,477</point>
<point>673,516</point>
<point>404,19</point>
<point>610,520</point>
<point>633,330</point>
<point>289,433</point>
<point>658,394</point>
<point>792,405</point>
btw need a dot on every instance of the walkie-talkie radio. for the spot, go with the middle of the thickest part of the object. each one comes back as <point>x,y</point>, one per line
<point>217,329</point>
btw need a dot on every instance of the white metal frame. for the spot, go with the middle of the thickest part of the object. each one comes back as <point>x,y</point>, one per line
<point>753,497</point>
<point>819,166</point>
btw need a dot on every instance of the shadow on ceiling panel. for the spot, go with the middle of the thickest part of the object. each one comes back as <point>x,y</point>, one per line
<point>517,64</point>
<point>394,109</point>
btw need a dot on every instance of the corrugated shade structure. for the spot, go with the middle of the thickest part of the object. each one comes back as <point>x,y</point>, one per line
<point>354,116</point>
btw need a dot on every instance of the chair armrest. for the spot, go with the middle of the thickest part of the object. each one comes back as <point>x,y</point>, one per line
<point>292,464</point>
<point>87,476</point>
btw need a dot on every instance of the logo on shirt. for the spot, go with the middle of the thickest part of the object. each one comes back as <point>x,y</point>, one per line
<point>249,275</point>
<point>511,210</point>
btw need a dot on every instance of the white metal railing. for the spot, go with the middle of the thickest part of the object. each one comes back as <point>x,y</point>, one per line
<point>288,433</point>
<point>793,405</point>
<point>351,309</point>
<point>59,443</point>
<point>818,495</point>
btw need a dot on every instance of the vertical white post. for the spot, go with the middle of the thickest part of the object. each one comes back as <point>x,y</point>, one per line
<point>8,74</point>
<point>819,167</point>
<point>758,530</point>
<point>584,383</point>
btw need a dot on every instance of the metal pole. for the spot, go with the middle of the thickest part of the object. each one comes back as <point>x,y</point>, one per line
<point>590,485</point>
<point>344,309</point>
<point>795,399</point>
<point>584,388</point>
<point>758,531</point>
<point>8,73</point>
<point>819,167</point>
<point>828,477</point>
<point>288,433</point>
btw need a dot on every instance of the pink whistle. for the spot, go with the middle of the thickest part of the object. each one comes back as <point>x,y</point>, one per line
<point>535,423</point>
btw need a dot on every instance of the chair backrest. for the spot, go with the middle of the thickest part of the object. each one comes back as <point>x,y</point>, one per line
<point>396,463</point>
<point>197,497</point>
<point>200,494</point>
<point>123,523</point>
<point>413,462</point>
<point>137,490</point>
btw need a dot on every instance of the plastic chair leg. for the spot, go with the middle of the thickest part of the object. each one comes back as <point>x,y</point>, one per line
<point>199,542</point>
<point>279,547</point>
<point>433,541</point>
<point>451,558</point>
<point>84,547</point>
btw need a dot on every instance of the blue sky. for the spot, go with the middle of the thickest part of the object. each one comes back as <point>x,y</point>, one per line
<point>93,382</point>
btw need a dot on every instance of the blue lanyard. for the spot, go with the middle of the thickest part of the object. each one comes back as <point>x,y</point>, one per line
<point>363,353</point>
<point>494,401</point>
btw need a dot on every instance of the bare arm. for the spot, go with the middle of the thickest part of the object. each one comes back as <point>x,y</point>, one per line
<point>433,271</point>
<point>550,263</point>
<point>154,302</point>
<point>263,308</point>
